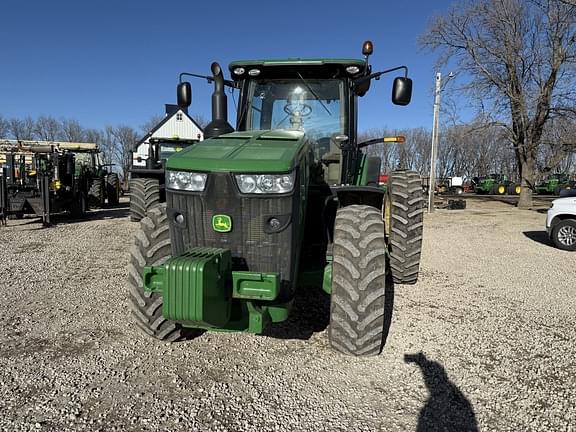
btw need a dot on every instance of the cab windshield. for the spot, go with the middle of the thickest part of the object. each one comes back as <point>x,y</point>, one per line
<point>313,106</point>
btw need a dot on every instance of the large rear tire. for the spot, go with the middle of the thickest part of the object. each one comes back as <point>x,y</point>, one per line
<point>151,247</point>
<point>358,282</point>
<point>403,214</point>
<point>144,195</point>
<point>113,188</point>
<point>96,192</point>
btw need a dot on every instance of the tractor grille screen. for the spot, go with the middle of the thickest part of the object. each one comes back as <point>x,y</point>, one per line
<point>255,246</point>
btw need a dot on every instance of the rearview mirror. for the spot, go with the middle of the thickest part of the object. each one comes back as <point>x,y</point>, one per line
<point>402,91</point>
<point>184,94</point>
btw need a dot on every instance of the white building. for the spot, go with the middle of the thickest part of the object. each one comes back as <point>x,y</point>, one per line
<point>176,125</point>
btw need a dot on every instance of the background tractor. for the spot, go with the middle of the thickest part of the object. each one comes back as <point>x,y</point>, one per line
<point>494,184</point>
<point>554,184</point>
<point>43,179</point>
<point>104,184</point>
<point>147,176</point>
<point>287,197</point>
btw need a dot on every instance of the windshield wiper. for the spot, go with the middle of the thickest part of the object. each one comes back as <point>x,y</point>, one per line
<point>313,93</point>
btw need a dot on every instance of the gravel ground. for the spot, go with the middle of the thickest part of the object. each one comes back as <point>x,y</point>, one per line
<point>484,341</point>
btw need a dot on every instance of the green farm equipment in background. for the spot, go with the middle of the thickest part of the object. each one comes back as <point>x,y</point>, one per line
<point>43,178</point>
<point>104,184</point>
<point>287,200</point>
<point>554,184</point>
<point>495,184</point>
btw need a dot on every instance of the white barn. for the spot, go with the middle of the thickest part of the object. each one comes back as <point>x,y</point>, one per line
<point>176,125</point>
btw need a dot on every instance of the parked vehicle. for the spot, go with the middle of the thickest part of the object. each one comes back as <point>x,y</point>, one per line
<point>553,184</point>
<point>450,185</point>
<point>561,222</point>
<point>104,184</point>
<point>493,184</point>
<point>43,179</point>
<point>288,197</point>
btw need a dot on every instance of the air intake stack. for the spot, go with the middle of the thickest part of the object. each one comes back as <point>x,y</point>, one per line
<point>219,124</point>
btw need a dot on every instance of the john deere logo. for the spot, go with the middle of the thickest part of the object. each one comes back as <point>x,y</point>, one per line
<point>221,223</point>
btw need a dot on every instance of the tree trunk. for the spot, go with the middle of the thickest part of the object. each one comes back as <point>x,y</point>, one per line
<point>528,167</point>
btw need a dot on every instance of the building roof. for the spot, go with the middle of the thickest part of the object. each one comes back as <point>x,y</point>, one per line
<point>165,120</point>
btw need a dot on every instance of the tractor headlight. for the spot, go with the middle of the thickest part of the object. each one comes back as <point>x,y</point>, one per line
<point>184,180</point>
<point>265,183</point>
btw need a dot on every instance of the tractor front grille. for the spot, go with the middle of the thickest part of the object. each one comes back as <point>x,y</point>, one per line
<point>254,245</point>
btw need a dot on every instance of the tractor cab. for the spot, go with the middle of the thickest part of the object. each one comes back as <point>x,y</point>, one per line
<point>311,96</point>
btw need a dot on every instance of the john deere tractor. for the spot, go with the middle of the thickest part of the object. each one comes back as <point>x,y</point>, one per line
<point>494,184</point>
<point>288,196</point>
<point>554,184</point>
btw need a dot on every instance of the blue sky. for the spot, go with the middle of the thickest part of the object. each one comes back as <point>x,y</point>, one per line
<point>117,62</point>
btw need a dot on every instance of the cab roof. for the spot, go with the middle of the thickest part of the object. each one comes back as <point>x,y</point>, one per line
<point>290,67</point>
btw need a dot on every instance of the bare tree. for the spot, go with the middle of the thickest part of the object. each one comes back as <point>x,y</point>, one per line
<point>123,140</point>
<point>22,129</point>
<point>47,128</point>
<point>72,131</point>
<point>200,119</point>
<point>520,56</point>
<point>151,123</point>
<point>4,127</point>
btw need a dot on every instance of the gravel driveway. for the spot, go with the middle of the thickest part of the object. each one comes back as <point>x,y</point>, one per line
<point>485,340</point>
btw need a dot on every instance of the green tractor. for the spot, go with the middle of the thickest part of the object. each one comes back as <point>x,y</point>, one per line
<point>554,184</point>
<point>104,184</point>
<point>289,199</point>
<point>495,184</point>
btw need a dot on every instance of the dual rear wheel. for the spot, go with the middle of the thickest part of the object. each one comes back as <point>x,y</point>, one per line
<point>372,249</point>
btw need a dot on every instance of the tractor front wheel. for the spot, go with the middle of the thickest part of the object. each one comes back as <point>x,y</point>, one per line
<point>151,247</point>
<point>358,282</point>
<point>144,195</point>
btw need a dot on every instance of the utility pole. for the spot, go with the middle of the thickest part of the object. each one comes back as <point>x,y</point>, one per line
<point>434,151</point>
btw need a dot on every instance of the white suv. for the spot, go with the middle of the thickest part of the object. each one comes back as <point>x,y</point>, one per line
<point>561,222</point>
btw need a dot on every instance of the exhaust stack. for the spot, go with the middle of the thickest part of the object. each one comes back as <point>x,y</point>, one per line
<point>219,124</point>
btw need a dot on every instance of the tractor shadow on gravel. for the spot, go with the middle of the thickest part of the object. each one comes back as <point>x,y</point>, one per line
<point>119,211</point>
<point>110,212</point>
<point>311,314</point>
<point>447,409</point>
<point>539,237</point>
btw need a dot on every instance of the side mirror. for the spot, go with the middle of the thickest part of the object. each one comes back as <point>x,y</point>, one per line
<point>184,94</point>
<point>402,91</point>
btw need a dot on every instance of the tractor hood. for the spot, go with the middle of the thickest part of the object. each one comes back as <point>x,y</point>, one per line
<point>246,152</point>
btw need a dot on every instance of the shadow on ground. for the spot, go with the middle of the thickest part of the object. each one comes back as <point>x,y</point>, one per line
<point>310,314</point>
<point>447,409</point>
<point>538,237</point>
<point>109,212</point>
